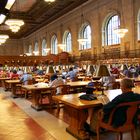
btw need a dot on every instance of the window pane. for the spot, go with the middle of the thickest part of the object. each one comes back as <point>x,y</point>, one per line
<point>108,35</point>
<point>54,49</point>
<point>85,34</point>
<point>44,47</point>
<point>68,42</point>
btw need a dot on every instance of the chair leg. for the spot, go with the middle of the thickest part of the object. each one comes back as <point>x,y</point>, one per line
<point>58,107</point>
<point>132,135</point>
<point>98,132</point>
<point>120,136</point>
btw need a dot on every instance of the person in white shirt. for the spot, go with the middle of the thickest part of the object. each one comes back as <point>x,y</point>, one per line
<point>56,81</point>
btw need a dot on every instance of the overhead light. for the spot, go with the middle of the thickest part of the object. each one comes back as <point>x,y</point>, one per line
<point>28,54</point>
<point>121,32</point>
<point>47,50</point>
<point>14,24</point>
<point>82,41</point>
<point>49,0</point>
<point>2,18</point>
<point>3,38</point>
<point>61,46</point>
<point>9,4</point>
<point>35,52</point>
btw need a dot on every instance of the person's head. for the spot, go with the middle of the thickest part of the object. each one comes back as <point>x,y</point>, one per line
<point>70,69</point>
<point>126,85</point>
<point>53,77</point>
<point>14,71</point>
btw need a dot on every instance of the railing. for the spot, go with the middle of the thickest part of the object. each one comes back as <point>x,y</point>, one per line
<point>108,54</point>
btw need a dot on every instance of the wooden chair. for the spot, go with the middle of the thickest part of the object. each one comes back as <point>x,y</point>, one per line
<point>24,91</point>
<point>64,89</point>
<point>128,126</point>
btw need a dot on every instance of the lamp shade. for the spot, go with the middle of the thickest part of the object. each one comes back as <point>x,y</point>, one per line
<point>102,70</point>
<point>124,67</point>
<point>50,70</point>
<point>90,69</point>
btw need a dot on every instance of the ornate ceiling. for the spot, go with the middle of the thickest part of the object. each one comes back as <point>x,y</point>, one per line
<point>37,13</point>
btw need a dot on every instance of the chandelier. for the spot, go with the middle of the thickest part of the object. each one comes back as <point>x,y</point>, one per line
<point>3,38</point>
<point>62,46</point>
<point>14,24</point>
<point>47,50</point>
<point>82,41</point>
<point>36,52</point>
<point>121,32</point>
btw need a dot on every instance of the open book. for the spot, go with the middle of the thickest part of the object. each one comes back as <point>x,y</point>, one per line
<point>103,99</point>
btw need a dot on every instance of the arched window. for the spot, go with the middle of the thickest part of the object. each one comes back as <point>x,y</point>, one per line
<point>54,48</point>
<point>85,33</point>
<point>30,50</point>
<point>109,37</point>
<point>67,41</point>
<point>138,19</point>
<point>44,47</point>
<point>36,49</point>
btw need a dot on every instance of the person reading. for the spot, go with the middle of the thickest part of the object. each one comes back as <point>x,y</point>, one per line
<point>127,95</point>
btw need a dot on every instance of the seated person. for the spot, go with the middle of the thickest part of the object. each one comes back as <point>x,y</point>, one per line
<point>127,96</point>
<point>20,72</point>
<point>14,75</point>
<point>25,78</point>
<point>56,81</point>
<point>71,74</point>
<point>108,81</point>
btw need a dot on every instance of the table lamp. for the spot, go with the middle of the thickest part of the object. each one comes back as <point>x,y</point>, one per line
<point>102,71</point>
<point>90,69</point>
<point>50,70</point>
<point>124,67</point>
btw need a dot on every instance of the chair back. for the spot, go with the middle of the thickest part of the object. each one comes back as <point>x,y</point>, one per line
<point>130,114</point>
<point>64,89</point>
<point>131,111</point>
<point>128,126</point>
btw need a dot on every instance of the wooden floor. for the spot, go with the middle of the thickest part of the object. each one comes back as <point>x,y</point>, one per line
<point>15,124</point>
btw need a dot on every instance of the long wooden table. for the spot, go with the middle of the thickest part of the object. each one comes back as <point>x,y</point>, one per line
<point>36,94</point>
<point>77,110</point>
<point>13,86</point>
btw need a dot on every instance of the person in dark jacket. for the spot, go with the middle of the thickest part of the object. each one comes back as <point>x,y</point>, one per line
<point>120,115</point>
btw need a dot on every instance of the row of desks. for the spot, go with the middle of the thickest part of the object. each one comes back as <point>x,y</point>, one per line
<point>77,107</point>
<point>78,110</point>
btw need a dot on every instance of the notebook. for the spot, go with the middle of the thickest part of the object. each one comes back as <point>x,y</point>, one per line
<point>103,99</point>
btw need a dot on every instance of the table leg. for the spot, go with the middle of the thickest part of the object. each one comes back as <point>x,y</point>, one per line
<point>13,88</point>
<point>35,100</point>
<point>77,120</point>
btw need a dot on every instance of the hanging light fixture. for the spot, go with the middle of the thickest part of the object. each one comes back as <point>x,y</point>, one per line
<point>121,31</point>
<point>15,24</point>
<point>47,50</point>
<point>62,46</point>
<point>81,39</point>
<point>3,38</point>
<point>9,4</point>
<point>2,18</point>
